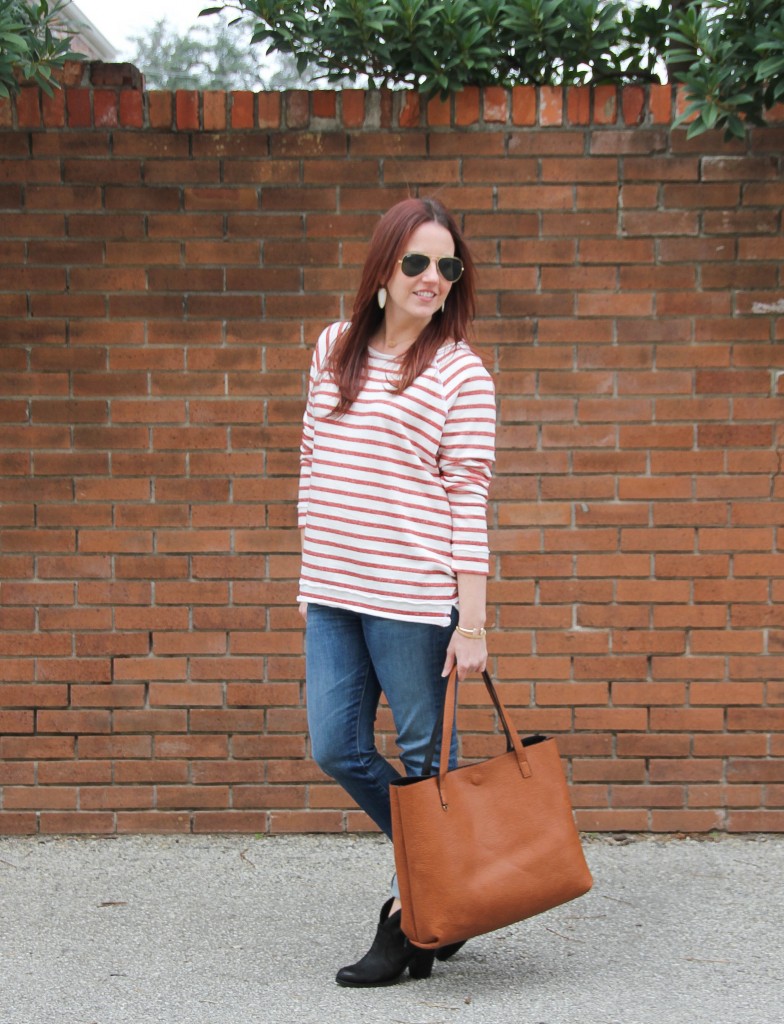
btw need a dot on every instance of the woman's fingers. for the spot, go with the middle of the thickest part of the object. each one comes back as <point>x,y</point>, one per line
<point>469,654</point>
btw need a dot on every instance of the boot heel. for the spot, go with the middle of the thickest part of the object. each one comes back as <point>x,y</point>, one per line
<point>422,964</point>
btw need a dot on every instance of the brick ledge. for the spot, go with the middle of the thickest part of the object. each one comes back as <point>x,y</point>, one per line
<point>100,96</point>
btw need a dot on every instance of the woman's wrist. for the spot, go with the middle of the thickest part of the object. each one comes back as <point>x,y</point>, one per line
<point>471,632</point>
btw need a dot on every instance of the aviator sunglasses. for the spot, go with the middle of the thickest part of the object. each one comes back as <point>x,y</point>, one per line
<point>415,263</point>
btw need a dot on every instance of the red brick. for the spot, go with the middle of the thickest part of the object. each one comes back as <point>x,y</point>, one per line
<point>160,109</point>
<point>152,821</point>
<point>214,110</point>
<point>467,106</point>
<point>297,106</point>
<point>524,105</point>
<point>352,107</point>
<point>230,821</point>
<point>660,100</point>
<point>28,107</point>
<point>578,104</point>
<point>612,820</point>
<point>53,109</point>
<point>312,821</point>
<point>16,721</point>
<point>106,108</point>
<point>550,105</point>
<point>495,104</point>
<point>269,110</point>
<point>633,104</point>
<point>686,821</point>
<point>77,822</point>
<point>18,823</point>
<point>605,104</point>
<point>409,110</point>
<point>131,108</point>
<point>439,111</point>
<point>242,110</point>
<point>79,722</point>
<point>648,796</point>
<point>324,104</point>
<point>755,821</point>
<point>97,798</point>
<point>186,107</point>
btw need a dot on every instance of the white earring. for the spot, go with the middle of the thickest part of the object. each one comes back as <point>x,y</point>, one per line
<point>382,297</point>
<point>443,305</point>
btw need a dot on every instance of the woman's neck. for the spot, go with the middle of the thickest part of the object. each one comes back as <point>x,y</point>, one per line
<point>397,334</point>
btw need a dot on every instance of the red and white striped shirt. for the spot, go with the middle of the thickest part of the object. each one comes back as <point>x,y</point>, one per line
<point>393,494</point>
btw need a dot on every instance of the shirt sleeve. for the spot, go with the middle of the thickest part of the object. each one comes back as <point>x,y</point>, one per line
<point>326,339</point>
<point>466,458</point>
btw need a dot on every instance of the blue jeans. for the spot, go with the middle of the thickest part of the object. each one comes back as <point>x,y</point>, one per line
<point>351,659</point>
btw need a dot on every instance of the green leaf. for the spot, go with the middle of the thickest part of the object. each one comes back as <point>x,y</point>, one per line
<point>771,66</point>
<point>739,99</point>
<point>696,128</point>
<point>14,39</point>
<point>736,128</point>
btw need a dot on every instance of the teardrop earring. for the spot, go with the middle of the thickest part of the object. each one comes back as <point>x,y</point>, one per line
<point>382,297</point>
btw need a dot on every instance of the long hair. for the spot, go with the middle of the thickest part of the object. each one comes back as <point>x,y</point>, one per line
<point>349,358</point>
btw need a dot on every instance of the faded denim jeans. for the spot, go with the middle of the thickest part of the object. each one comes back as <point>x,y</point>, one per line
<point>351,659</point>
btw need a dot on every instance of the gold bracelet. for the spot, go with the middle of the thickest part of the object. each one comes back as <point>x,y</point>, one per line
<point>473,634</point>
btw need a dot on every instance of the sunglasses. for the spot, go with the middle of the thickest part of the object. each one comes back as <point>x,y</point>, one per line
<point>415,263</point>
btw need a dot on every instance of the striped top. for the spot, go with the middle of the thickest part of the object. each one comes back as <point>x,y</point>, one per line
<point>393,494</point>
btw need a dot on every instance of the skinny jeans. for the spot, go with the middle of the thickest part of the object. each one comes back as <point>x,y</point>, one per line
<point>351,659</point>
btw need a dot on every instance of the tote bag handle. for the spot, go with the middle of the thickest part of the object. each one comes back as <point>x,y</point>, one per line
<point>446,722</point>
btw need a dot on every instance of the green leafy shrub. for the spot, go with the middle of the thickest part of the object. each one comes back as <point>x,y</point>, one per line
<point>29,45</point>
<point>730,56</point>
<point>442,47</point>
<point>728,53</point>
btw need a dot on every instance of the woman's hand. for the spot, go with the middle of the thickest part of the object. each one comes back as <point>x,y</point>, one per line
<point>468,654</point>
<point>303,610</point>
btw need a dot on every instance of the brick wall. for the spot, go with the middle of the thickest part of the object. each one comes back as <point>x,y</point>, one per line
<point>166,262</point>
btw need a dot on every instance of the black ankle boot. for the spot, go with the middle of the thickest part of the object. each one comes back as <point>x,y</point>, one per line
<point>444,952</point>
<point>388,957</point>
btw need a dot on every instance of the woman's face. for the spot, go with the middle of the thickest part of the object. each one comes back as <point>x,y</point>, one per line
<point>422,296</point>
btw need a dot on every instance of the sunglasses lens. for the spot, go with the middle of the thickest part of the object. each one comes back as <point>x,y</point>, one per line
<point>414,263</point>
<point>451,268</point>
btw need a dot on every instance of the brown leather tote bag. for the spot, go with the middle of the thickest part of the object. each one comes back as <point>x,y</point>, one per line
<point>482,846</point>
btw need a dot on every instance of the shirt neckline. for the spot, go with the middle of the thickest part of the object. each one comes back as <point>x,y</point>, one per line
<point>382,355</point>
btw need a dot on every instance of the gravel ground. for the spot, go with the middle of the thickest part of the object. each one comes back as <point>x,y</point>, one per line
<point>250,930</point>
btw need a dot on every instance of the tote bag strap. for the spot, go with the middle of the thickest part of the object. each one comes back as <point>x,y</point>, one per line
<point>450,704</point>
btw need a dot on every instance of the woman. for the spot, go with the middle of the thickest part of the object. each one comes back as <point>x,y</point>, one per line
<point>397,447</point>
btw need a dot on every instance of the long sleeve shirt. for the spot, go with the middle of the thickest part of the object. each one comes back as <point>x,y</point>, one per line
<point>393,493</point>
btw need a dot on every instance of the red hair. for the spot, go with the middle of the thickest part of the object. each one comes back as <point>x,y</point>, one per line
<point>349,358</point>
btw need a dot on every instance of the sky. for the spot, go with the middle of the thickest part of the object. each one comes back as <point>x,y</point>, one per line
<point>119,20</point>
